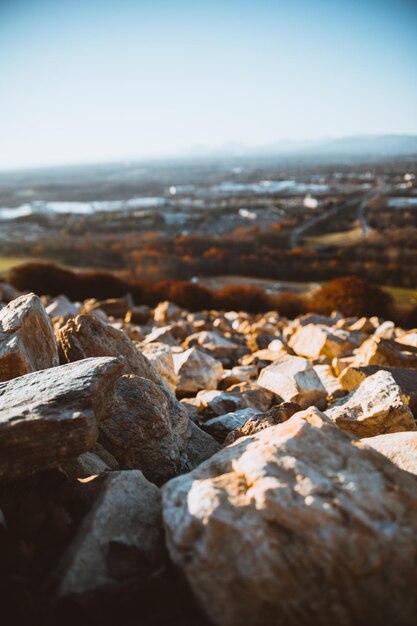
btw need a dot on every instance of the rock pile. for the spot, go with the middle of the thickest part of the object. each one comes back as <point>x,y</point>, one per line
<point>205,468</point>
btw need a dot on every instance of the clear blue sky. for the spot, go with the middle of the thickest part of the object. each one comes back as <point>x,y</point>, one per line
<point>95,80</point>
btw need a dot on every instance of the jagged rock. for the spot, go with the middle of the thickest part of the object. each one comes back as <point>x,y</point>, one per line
<point>386,330</point>
<point>241,396</point>
<point>161,335</point>
<point>377,406</point>
<point>8,293</point>
<point>27,340</point>
<point>166,312</point>
<point>200,447</point>
<point>330,382</point>
<point>121,538</point>
<point>293,379</point>
<point>400,448</point>
<point>405,378</point>
<point>50,416</point>
<point>214,342</point>
<point>298,524</point>
<point>313,341</point>
<point>275,415</point>
<point>87,464</point>
<point>196,371</point>
<point>340,364</point>
<point>378,351</point>
<point>87,336</point>
<point>222,425</point>
<point>138,314</point>
<point>363,325</point>
<point>147,429</point>
<point>112,307</point>
<point>408,339</point>
<point>62,307</point>
<point>160,355</point>
<point>314,318</point>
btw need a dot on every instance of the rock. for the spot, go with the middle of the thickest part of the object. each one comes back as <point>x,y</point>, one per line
<point>242,396</point>
<point>51,416</point>
<point>400,448</point>
<point>314,318</point>
<point>330,382</point>
<point>340,364</point>
<point>196,371</point>
<point>275,415</point>
<point>166,312</point>
<point>121,538</point>
<point>27,340</point>
<point>8,293</point>
<point>294,380</point>
<point>62,307</point>
<point>378,351</point>
<point>147,429</point>
<point>272,530</point>
<point>377,406</point>
<point>222,425</point>
<point>313,341</point>
<point>405,378</point>
<point>112,307</point>
<point>87,336</point>
<point>138,314</point>
<point>87,464</point>
<point>408,339</point>
<point>213,342</point>
<point>363,325</point>
<point>386,330</point>
<point>200,447</point>
<point>161,335</point>
<point>160,355</point>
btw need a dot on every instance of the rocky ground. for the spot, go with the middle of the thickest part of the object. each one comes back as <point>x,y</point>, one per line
<point>165,467</point>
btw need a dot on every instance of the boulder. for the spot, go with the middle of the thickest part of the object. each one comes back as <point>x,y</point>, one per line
<point>273,530</point>
<point>400,448</point>
<point>51,416</point>
<point>275,415</point>
<point>27,340</point>
<point>405,378</point>
<point>87,336</point>
<point>222,425</point>
<point>214,343</point>
<point>196,371</point>
<point>377,406</point>
<point>147,429</point>
<point>313,341</point>
<point>293,379</point>
<point>330,382</point>
<point>200,447</point>
<point>62,307</point>
<point>160,355</point>
<point>379,351</point>
<point>166,312</point>
<point>120,540</point>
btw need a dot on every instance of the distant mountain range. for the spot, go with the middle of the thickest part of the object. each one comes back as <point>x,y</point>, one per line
<point>357,145</point>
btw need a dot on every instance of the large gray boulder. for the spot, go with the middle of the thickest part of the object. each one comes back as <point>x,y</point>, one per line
<point>120,539</point>
<point>27,340</point>
<point>50,416</point>
<point>147,429</point>
<point>297,525</point>
<point>196,371</point>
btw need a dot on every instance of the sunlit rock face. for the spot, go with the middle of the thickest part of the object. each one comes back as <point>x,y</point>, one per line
<point>298,524</point>
<point>400,448</point>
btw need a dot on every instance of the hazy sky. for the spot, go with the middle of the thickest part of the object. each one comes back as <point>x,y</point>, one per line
<point>86,80</point>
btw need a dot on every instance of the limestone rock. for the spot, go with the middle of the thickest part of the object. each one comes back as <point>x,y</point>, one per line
<point>160,355</point>
<point>120,539</point>
<point>273,530</point>
<point>293,379</point>
<point>87,336</point>
<point>222,425</point>
<point>214,342</point>
<point>409,338</point>
<point>196,371</point>
<point>313,341</point>
<point>400,448</point>
<point>62,307</point>
<point>405,378</point>
<point>147,429</point>
<point>50,416</point>
<point>377,406</point>
<point>166,312</point>
<point>275,415</point>
<point>379,351</point>
<point>330,382</point>
<point>27,341</point>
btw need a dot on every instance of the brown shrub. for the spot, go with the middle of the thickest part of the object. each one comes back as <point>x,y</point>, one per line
<point>351,296</point>
<point>242,298</point>
<point>288,304</point>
